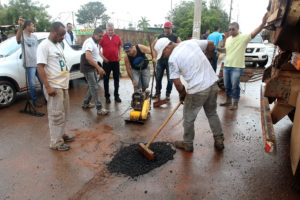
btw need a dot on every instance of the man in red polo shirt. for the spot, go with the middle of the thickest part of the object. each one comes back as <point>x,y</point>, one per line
<point>111,54</point>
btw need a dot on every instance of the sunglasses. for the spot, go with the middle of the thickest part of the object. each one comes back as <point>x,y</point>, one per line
<point>232,29</point>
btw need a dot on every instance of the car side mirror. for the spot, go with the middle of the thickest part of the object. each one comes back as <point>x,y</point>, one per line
<point>266,41</point>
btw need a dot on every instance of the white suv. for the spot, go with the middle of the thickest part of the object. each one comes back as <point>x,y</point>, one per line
<point>256,52</point>
<point>12,72</point>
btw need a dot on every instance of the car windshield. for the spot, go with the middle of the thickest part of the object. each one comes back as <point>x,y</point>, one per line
<point>257,39</point>
<point>8,47</point>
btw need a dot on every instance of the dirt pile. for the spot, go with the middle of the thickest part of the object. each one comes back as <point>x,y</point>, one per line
<point>131,162</point>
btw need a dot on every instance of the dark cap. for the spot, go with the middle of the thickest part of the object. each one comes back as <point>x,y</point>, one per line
<point>127,46</point>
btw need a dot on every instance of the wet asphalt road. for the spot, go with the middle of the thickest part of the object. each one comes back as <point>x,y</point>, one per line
<point>30,170</point>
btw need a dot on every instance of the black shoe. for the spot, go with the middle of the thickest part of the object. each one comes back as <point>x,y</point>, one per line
<point>37,104</point>
<point>118,100</point>
<point>168,97</point>
<point>68,138</point>
<point>219,144</point>
<point>107,100</point>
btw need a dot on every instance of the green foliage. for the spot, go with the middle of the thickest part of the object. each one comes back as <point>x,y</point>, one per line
<point>143,24</point>
<point>183,16</point>
<point>92,14</point>
<point>26,9</point>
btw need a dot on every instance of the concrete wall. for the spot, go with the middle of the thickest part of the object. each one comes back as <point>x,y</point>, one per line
<point>136,37</point>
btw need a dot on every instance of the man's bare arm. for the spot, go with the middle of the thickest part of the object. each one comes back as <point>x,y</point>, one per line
<point>41,70</point>
<point>128,69</point>
<point>88,56</point>
<point>261,26</point>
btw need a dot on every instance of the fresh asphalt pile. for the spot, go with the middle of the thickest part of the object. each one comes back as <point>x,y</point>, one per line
<point>131,162</point>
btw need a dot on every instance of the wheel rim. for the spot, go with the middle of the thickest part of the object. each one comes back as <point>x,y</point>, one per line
<point>6,94</point>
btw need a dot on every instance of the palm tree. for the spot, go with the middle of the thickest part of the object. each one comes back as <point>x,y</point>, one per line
<point>143,24</point>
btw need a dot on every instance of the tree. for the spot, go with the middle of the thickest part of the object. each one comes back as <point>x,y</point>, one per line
<point>143,24</point>
<point>216,4</point>
<point>130,26</point>
<point>92,14</point>
<point>26,9</point>
<point>183,15</point>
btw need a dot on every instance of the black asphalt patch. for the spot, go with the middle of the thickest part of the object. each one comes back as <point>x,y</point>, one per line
<point>131,162</point>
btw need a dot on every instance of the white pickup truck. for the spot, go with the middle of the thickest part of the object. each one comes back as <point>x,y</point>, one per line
<point>12,72</point>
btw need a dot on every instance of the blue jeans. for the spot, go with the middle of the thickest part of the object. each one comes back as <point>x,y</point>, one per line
<point>31,74</point>
<point>232,77</point>
<point>163,65</point>
<point>91,79</point>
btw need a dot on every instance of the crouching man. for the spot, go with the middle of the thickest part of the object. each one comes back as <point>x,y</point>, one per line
<point>137,65</point>
<point>54,72</point>
<point>188,60</point>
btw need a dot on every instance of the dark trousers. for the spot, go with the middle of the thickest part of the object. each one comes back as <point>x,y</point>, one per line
<point>215,61</point>
<point>108,67</point>
<point>161,67</point>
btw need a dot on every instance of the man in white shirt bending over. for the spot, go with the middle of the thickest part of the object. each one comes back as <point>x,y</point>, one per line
<point>188,60</point>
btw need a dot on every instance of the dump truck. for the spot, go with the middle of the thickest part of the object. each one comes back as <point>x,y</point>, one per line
<point>281,80</point>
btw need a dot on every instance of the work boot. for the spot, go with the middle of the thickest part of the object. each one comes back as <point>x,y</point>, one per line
<point>63,147</point>
<point>102,111</point>
<point>182,145</point>
<point>37,104</point>
<point>68,138</point>
<point>90,105</point>
<point>228,102</point>
<point>234,106</point>
<point>219,144</point>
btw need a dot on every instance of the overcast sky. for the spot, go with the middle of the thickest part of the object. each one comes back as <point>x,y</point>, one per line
<point>247,12</point>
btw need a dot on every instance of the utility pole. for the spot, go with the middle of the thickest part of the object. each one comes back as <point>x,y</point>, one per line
<point>230,11</point>
<point>197,19</point>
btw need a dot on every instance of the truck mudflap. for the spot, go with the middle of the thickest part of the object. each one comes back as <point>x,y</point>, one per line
<point>295,138</point>
<point>266,122</point>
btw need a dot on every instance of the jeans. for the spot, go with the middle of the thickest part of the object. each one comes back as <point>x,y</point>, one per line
<point>232,77</point>
<point>163,65</point>
<point>91,79</point>
<point>108,67</point>
<point>31,74</point>
<point>192,105</point>
<point>58,110</point>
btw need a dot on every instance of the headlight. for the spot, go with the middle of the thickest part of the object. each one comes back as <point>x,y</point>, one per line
<point>262,49</point>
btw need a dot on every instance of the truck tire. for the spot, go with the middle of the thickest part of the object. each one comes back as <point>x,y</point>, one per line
<point>7,93</point>
<point>263,64</point>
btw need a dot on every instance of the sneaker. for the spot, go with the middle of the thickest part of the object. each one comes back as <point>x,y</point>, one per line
<point>68,138</point>
<point>118,100</point>
<point>63,147</point>
<point>168,97</point>
<point>107,100</point>
<point>219,144</point>
<point>90,105</point>
<point>182,145</point>
<point>37,104</point>
<point>102,111</point>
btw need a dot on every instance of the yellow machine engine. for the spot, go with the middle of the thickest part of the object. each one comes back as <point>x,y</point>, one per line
<point>141,105</point>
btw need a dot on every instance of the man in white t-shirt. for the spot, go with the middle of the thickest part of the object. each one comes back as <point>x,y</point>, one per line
<point>89,67</point>
<point>187,59</point>
<point>54,72</point>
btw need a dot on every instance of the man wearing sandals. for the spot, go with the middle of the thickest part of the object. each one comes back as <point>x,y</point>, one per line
<point>54,72</point>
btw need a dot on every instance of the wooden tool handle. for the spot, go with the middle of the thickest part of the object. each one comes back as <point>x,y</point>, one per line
<point>163,125</point>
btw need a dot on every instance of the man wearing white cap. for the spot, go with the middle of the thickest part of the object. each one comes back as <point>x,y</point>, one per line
<point>187,59</point>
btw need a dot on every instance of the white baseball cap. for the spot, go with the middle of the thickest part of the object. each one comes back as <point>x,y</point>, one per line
<point>160,45</point>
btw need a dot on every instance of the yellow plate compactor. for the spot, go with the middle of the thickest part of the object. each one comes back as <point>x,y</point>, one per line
<point>141,105</point>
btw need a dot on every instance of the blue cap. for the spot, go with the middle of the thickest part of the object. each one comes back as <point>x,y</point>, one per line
<point>127,46</point>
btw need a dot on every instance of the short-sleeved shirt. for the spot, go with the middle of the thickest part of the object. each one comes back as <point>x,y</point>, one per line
<point>56,68</point>
<point>110,47</point>
<point>92,46</point>
<point>215,37</point>
<point>235,50</point>
<point>187,59</point>
<point>31,44</point>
